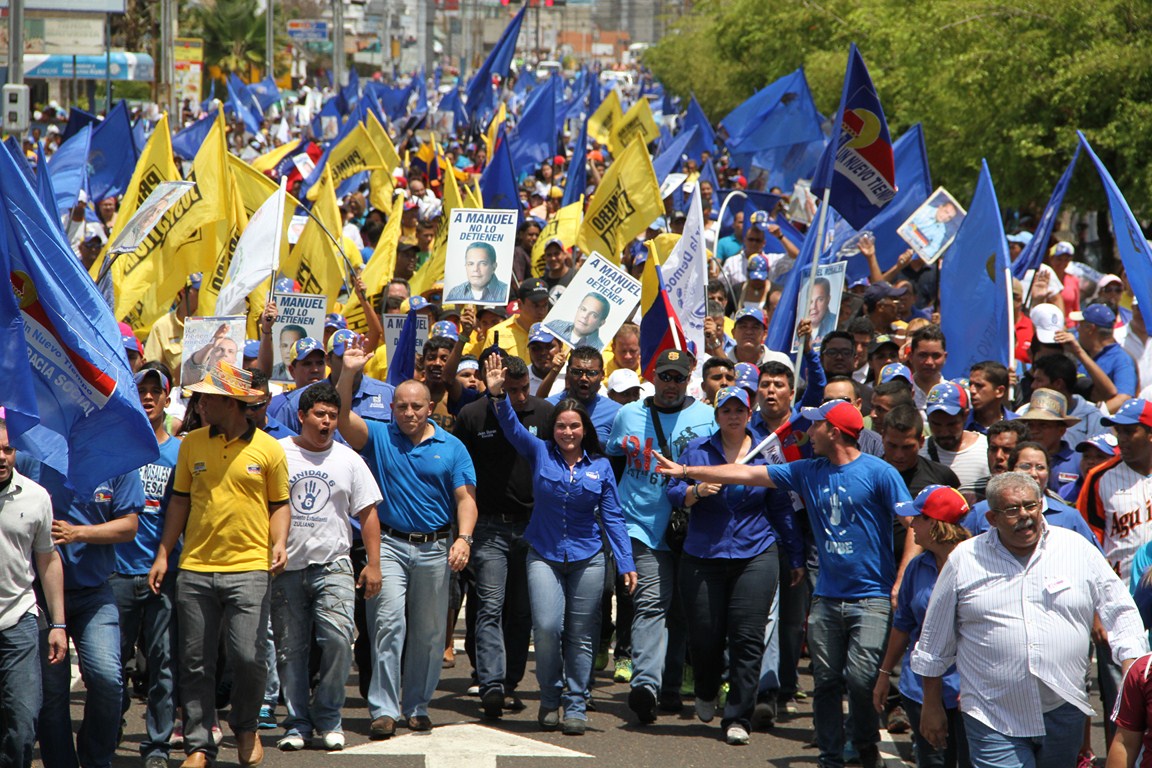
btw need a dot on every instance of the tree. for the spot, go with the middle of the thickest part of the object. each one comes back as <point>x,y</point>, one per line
<point>233,34</point>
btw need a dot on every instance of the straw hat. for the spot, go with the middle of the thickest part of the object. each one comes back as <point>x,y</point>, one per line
<point>227,380</point>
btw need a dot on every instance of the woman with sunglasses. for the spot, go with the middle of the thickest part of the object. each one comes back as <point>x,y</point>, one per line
<point>730,566</point>
<point>571,482</point>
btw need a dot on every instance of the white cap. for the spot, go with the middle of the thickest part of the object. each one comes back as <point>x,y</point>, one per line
<point>1063,248</point>
<point>1109,280</point>
<point>772,356</point>
<point>1047,320</point>
<point>622,380</point>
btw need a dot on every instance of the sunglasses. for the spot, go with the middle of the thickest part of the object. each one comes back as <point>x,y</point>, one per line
<point>672,377</point>
<point>583,373</point>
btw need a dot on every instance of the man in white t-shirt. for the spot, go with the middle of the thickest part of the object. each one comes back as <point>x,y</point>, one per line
<point>964,452</point>
<point>329,485</point>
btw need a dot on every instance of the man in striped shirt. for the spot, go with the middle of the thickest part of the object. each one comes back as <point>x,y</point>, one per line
<point>1013,609</point>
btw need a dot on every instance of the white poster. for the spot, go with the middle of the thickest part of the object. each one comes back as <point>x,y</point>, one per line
<point>478,263</point>
<point>686,277</point>
<point>298,315</point>
<point>597,302</point>
<point>165,195</point>
<point>394,324</point>
<point>822,307</point>
<point>932,227</point>
<point>207,340</point>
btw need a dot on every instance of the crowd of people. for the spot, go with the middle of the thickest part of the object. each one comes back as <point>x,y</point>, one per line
<point>951,555</point>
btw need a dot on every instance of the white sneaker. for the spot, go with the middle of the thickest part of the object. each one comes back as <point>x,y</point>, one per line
<point>736,735</point>
<point>217,735</point>
<point>290,742</point>
<point>333,741</point>
<point>705,710</point>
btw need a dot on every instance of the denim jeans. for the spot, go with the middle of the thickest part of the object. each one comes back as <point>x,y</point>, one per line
<point>846,639</point>
<point>769,684</point>
<point>659,636</point>
<point>565,615</point>
<point>316,600</point>
<point>503,613</point>
<point>1110,677</point>
<point>362,648</point>
<point>413,606</point>
<point>150,616</point>
<point>955,755</point>
<point>94,627</point>
<point>1057,748</point>
<point>793,606</point>
<point>20,691</point>
<point>206,603</point>
<point>272,681</point>
<point>728,599</point>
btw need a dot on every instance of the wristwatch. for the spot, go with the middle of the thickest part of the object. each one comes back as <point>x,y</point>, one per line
<point>467,539</point>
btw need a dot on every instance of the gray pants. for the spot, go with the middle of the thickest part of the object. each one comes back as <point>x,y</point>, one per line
<point>205,602</point>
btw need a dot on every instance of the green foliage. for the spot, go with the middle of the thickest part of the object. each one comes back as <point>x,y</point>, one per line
<point>1008,82</point>
<point>233,33</point>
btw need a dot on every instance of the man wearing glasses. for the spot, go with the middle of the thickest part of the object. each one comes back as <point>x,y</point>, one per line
<point>665,423</point>
<point>582,382</point>
<point>1022,595</point>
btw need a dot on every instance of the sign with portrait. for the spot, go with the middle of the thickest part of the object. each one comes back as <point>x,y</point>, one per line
<point>207,340</point>
<point>597,302</point>
<point>165,195</point>
<point>820,300</point>
<point>932,227</point>
<point>298,315</point>
<point>478,262</point>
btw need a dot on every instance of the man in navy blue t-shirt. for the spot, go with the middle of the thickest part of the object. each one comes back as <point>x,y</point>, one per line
<point>851,498</point>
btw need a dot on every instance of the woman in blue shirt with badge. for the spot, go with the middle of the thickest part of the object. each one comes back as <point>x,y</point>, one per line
<point>571,481</point>
<point>730,566</point>
<point>936,514</point>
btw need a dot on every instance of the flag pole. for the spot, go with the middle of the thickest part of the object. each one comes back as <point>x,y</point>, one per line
<point>821,223</point>
<point>724,205</point>
<point>1011,326</point>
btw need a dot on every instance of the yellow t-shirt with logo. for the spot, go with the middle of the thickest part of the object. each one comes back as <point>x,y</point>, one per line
<point>230,484</point>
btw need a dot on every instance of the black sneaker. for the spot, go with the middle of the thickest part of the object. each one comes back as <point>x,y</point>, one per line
<point>764,715</point>
<point>513,703</point>
<point>492,702</point>
<point>643,702</point>
<point>671,702</point>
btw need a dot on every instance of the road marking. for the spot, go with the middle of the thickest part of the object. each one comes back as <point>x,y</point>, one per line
<point>890,752</point>
<point>450,746</point>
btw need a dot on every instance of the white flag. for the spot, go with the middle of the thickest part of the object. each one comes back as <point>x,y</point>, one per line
<point>257,255</point>
<point>686,277</point>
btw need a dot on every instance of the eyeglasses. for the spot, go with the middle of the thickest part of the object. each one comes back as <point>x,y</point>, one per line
<point>584,373</point>
<point>1016,510</point>
<point>672,377</point>
<point>839,352</point>
<point>259,405</point>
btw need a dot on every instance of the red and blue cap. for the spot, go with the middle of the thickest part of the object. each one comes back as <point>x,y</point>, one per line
<point>733,393</point>
<point>949,397</point>
<point>139,376</point>
<point>938,502</point>
<point>1135,411</point>
<point>129,340</point>
<point>840,414</point>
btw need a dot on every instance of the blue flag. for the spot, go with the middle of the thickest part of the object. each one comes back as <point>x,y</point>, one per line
<point>974,308</point>
<point>185,143</point>
<point>781,114</point>
<point>534,138</point>
<point>68,167</point>
<point>453,104</point>
<point>243,105</point>
<point>858,165</point>
<point>207,103</point>
<point>77,119</point>
<point>705,138</point>
<point>44,189</point>
<point>84,390</point>
<point>481,102</point>
<point>670,156</point>
<point>576,183</point>
<point>403,366</point>
<point>112,155</point>
<point>1033,254</point>
<point>421,93</point>
<point>498,182</point>
<point>17,154</point>
<point>783,322</point>
<point>1130,242</point>
<point>266,93</point>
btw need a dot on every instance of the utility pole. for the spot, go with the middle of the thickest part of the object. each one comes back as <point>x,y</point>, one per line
<point>269,38</point>
<point>16,42</point>
<point>168,60</point>
<point>338,57</point>
<point>429,33</point>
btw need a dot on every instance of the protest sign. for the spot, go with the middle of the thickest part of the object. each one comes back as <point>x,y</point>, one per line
<point>822,305</point>
<point>394,324</point>
<point>297,315</point>
<point>164,195</point>
<point>597,302</point>
<point>478,264</point>
<point>932,227</point>
<point>207,340</point>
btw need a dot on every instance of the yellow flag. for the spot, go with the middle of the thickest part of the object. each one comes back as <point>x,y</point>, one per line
<point>356,152</point>
<point>315,261</point>
<point>227,235</point>
<point>625,203</point>
<point>379,271</point>
<point>494,126</point>
<point>602,121</point>
<point>271,159</point>
<point>637,121</point>
<point>565,226</point>
<point>148,279</point>
<point>662,246</point>
<point>380,182</point>
<point>433,269</point>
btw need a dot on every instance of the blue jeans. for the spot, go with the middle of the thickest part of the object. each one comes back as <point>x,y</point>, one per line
<point>1057,748</point>
<point>955,755</point>
<point>503,614</point>
<point>141,609</point>
<point>272,682</point>
<point>659,635</point>
<point>317,599</point>
<point>20,691</point>
<point>94,626</point>
<point>413,606</point>
<point>846,639</point>
<point>565,616</point>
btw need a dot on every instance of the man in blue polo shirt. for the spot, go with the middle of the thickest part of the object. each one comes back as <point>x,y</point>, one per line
<point>86,530</point>
<point>429,486</point>
<point>582,383</point>
<point>1112,370</point>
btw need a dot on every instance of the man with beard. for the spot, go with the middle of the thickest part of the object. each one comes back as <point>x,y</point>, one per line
<point>964,452</point>
<point>582,383</point>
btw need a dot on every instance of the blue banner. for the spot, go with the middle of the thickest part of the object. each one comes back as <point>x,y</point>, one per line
<point>534,139</point>
<point>1033,254</point>
<point>112,155</point>
<point>576,182</point>
<point>68,168</point>
<point>185,143</point>
<point>481,102</point>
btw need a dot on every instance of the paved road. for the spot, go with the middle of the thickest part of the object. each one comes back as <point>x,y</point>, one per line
<point>462,739</point>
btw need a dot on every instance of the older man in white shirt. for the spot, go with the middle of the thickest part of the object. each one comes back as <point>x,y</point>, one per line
<point>1013,609</point>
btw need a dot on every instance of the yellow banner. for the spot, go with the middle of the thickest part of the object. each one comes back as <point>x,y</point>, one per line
<point>227,235</point>
<point>637,121</point>
<point>433,270</point>
<point>625,203</point>
<point>355,153</point>
<point>565,226</point>
<point>602,121</point>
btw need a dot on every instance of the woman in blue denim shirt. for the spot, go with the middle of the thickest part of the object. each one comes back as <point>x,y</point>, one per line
<point>571,481</point>
<point>730,566</point>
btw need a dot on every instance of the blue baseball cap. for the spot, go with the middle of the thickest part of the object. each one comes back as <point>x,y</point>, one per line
<point>285,285</point>
<point>139,376</point>
<point>1097,314</point>
<point>195,279</point>
<point>340,341</point>
<point>304,347</point>
<point>755,313</point>
<point>757,267</point>
<point>538,333</point>
<point>760,219</point>
<point>335,320</point>
<point>947,396</point>
<point>444,329</point>
<point>252,348</point>
<point>895,371</point>
<point>840,414</point>
<point>418,303</point>
<point>733,393</point>
<point>1134,411</point>
<point>129,340</point>
<point>1105,442</point>
<point>747,376</point>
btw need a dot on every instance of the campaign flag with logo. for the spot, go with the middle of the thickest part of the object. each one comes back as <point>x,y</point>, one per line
<point>626,202</point>
<point>686,275</point>
<point>74,355</point>
<point>858,166</point>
